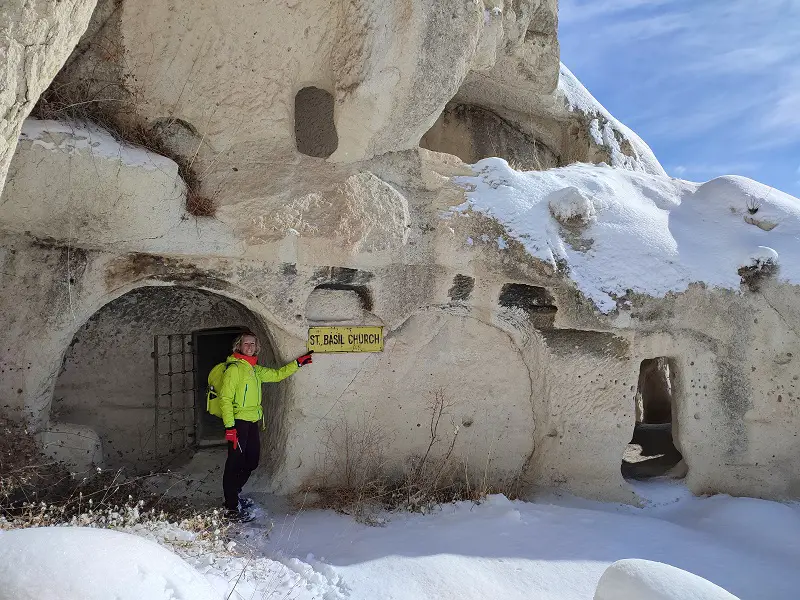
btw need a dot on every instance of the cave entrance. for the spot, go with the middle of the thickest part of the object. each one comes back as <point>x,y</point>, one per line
<point>473,132</point>
<point>211,346</point>
<point>651,451</point>
<point>136,373</point>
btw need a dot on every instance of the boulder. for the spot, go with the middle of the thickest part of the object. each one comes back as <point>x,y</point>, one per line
<point>635,579</point>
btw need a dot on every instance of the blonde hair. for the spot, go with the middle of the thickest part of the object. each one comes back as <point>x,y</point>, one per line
<point>237,343</point>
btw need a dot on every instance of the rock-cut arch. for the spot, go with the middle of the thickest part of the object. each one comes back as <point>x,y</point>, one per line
<point>128,374</point>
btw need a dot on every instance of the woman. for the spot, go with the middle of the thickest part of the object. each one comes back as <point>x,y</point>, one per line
<point>240,401</point>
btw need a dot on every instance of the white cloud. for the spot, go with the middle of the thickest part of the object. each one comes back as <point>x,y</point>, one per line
<point>578,11</point>
<point>704,171</point>
<point>689,68</point>
<point>645,28</point>
<point>782,115</point>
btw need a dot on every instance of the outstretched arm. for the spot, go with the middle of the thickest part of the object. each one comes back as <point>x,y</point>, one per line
<point>267,375</point>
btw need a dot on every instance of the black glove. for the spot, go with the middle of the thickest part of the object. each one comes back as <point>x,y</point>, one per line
<point>305,359</point>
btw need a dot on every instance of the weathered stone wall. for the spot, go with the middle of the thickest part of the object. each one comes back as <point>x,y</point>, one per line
<point>540,385</point>
<point>557,401</point>
<point>736,380</point>
<point>35,41</point>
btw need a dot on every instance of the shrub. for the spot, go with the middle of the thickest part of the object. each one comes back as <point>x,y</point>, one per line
<point>754,274</point>
<point>353,476</point>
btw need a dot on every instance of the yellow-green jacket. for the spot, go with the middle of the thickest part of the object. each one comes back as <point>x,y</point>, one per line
<point>240,396</point>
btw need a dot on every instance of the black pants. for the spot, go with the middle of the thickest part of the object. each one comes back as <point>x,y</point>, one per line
<point>241,462</point>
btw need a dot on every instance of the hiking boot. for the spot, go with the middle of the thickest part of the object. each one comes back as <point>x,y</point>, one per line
<point>239,516</point>
<point>246,503</point>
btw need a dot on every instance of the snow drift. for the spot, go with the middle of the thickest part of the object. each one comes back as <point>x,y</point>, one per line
<point>634,579</point>
<point>637,232</point>
<point>75,563</point>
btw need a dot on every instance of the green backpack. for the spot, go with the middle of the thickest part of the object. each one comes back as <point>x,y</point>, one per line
<point>214,385</point>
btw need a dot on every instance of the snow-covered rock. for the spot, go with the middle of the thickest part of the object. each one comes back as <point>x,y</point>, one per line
<point>74,563</point>
<point>100,191</point>
<point>96,188</point>
<point>761,258</point>
<point>635,579</point>
<point>570,205</point>
<point>625,149</point>
<point>649,234</point>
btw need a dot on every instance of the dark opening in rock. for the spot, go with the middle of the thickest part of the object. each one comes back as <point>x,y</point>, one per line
<point>651,451</point>
<point>137,372</point>
<point>536,301</point>
<point>314,127</point>
<point>343,278</point>
<point>462,287</point>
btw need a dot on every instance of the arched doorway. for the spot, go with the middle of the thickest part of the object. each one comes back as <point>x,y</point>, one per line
<point>136,371</point>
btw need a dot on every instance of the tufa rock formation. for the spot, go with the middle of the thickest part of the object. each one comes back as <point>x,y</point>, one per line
<point>198,167</point>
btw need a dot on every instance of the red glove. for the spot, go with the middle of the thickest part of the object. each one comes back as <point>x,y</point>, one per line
<point>232,436</point>
<point>304,360</point>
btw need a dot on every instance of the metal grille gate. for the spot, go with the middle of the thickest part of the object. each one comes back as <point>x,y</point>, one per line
<point>175,393</point>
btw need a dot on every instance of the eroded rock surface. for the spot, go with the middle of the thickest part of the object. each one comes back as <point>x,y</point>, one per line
<point>36,38</point>
<point>301,123</point>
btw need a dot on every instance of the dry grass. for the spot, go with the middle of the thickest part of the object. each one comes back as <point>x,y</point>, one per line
<point>113,107</point>
<point>354,477</point>
<point>37,492</point>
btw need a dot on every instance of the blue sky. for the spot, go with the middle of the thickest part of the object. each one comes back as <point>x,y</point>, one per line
<point>713,86</point>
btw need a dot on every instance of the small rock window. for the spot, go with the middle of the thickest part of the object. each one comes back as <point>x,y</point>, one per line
<point>314,127</point>
<point>536,301</point>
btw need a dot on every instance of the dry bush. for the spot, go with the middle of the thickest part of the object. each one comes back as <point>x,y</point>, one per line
<point>23,470</point>
<point>37,492</point>
<point>113,107</point>
<point>200,206</point>
<point>353,477</point>
<point>432,478</point>
<point>752,276</point>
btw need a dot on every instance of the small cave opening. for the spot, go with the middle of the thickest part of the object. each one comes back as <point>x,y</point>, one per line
<point>651,452</point>
<point>314,125</point>
<point>537,302</point>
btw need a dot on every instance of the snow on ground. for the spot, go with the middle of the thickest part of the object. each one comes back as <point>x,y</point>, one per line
<point>631,230</point>
<point>555,548</point>
<point>237,573</point>
<point>92,564</point>
<point>170,563</point>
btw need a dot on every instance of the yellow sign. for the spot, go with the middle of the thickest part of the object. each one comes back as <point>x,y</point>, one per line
<point>345,339</point>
